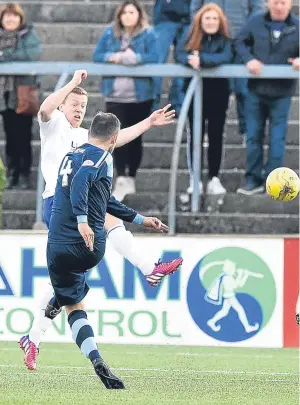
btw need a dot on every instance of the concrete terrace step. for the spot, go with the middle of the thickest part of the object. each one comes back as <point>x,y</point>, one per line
<point>69,33</point>
<point>158,202</point>
<point>263,224</point>
<point>193,223</point>
<point>157,180</point>
<point>167,133</point>
<point>159,155</point>
<point>233,203</point>
<point>98,12</point>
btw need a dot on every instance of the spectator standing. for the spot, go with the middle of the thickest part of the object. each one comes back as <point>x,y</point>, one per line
<point>2,186</point>
<point>268,38</point>
<point>237,13</point>
<point>129,41</point>
<point>172,21</point>
<point>18,42</point>
<point>209,46</point>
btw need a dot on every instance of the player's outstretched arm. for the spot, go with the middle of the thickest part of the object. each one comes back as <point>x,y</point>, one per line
<point>55,99</point>
<point>121,211</point>
<point>157,118</point>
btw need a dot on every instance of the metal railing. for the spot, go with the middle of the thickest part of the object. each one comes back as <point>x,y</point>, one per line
<point>65,69</point>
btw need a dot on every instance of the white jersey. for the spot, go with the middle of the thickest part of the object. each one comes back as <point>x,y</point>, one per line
<point>58,138</point>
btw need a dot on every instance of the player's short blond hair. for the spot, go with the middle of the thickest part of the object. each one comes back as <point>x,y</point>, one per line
<point>77,90</point>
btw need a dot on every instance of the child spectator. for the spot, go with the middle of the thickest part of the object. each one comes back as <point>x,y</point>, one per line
<point>209,46</point>
<point>129,41</point>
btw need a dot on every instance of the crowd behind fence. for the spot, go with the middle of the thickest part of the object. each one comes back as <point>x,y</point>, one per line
<point>193,94</point>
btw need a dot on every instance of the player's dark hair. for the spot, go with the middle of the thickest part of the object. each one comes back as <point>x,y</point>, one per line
<point>104,125</point>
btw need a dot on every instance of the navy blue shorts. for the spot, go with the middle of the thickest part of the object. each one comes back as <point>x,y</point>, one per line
<point>47,210</point>
<point>67,266</point>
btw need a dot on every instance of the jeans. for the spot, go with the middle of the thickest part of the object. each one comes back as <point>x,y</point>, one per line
<point>169,33</point>
<point>239,86</point>
<point>259,109</point>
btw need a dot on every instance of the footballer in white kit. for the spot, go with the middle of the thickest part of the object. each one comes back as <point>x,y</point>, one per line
<point>60,117</point>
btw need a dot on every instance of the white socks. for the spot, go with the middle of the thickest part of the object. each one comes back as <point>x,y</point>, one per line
<point>123,242</point>
<point>41,323</point>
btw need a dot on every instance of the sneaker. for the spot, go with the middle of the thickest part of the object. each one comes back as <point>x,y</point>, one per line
<point>119,191</point>
<point>109,379</point>
<point>30,352</point>
<point>251,189</point>
<point>130,188</point>
<point>191,188</point>
<point>24,183</point>
<point>11,183</point>
<point>215,187</point>
<point>162,270</point>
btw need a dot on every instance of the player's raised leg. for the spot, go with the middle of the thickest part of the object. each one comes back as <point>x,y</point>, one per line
<point>124,243</point>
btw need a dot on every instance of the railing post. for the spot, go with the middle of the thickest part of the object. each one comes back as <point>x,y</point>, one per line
<point>197,144</point>
<point>40,180</point>
<point>175,155</point>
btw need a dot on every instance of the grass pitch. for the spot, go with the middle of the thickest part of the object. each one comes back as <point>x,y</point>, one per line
<point>153,375</point>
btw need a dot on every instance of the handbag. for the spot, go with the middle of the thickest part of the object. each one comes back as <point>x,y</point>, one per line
<point>28,100</point>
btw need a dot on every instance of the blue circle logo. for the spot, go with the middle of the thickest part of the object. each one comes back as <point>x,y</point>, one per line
<point>231,294</point>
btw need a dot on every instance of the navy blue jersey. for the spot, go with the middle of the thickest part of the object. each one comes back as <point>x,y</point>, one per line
<point>83,189</point>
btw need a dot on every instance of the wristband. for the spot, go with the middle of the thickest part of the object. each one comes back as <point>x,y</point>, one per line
<point>81,219</point>
<point>138,219</point>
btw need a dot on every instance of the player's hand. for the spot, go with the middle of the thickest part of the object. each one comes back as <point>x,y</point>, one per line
<point>255,66</point>
<point>88,235</point>
<point>115,58</point>
<point>155,224</point>
<point>295,62</point>
<point>194,60</point>
<point>162,116</point>
<point>79,76</point>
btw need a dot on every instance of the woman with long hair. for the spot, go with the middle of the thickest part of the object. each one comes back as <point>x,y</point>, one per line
<point>129,41</point>
<point>18,42</point>
<point>207,46</point>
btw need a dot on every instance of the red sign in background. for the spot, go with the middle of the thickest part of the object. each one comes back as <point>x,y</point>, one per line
<point>290,292</point>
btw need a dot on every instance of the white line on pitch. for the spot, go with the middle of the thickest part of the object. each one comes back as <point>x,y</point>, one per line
<point>185,354</point>
<point>162,370</point>
<point>139,376</point>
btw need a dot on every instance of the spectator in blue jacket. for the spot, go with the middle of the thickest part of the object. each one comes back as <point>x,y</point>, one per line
<point>172,21</point>
<point>270,38</point>
<point>129,41</point>
<point>209,46</point>
<point>237,13</point>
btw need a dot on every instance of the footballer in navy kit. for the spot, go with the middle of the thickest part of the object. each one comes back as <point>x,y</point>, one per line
<point>76,240</point>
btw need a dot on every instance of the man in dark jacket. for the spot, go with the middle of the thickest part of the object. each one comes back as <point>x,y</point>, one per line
<point>171,20</point>
<point>271,38</point>
<point>237,12</point>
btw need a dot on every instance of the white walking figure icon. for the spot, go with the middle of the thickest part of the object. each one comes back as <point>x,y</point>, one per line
<point>224,287</point>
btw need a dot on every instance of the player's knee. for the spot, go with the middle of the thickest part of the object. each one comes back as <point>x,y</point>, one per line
<point>53,308</point>
<point>111,222</point>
